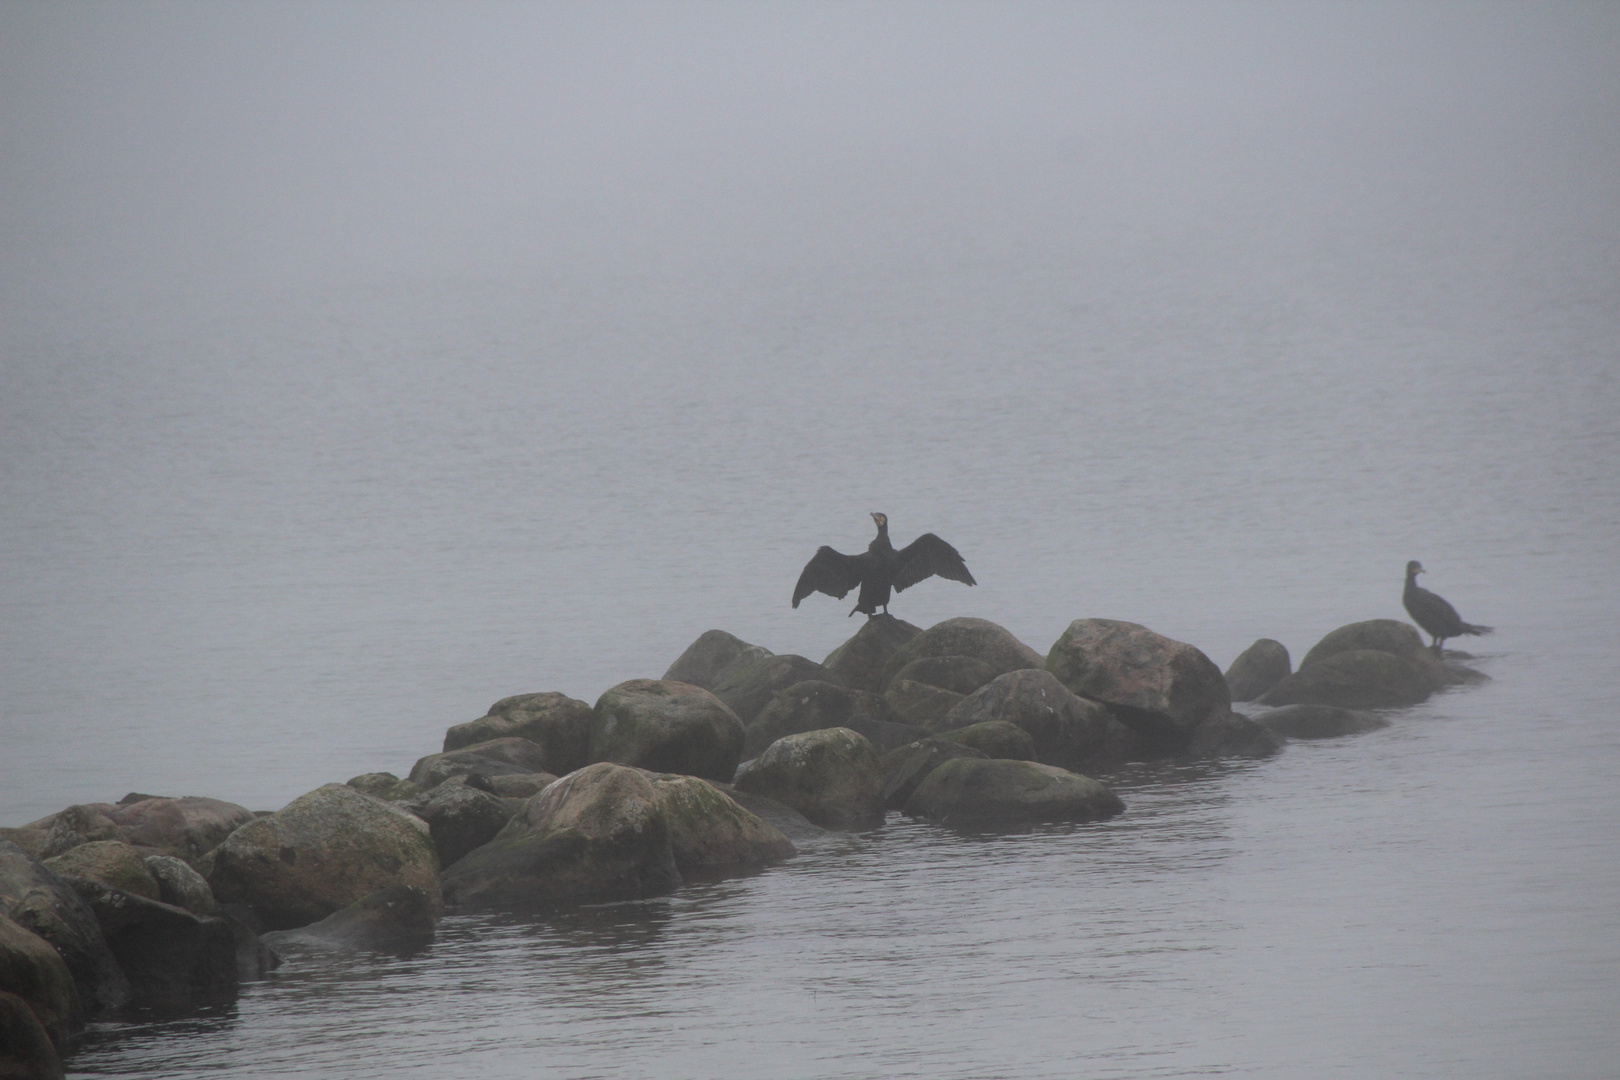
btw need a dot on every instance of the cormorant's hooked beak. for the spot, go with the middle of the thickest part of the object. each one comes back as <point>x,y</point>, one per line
<point>878,519</point>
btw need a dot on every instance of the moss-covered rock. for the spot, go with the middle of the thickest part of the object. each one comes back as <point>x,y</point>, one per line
<point>668,727</point>
<point>833,777</point>
<point>710,833</point>
<point>1068,731</point>
<point>1357,679</point>
<point>748,689</point>
<point>385,786</point>
<point>995,738</point>
<point>1320,721</point>
<point>558,724</point>
<point>978,638</point>
<point>180,885</point>
<point>32,970</point>
<point>812,706</point>
<point>322,852</point>
<point>109,861</point>
<point>977,792</point>
<point>40,901</point>
<point>497,757</point>
<point>1257,669</point>
<point>712,658</point>
<point>597,834</point>
<point>859,661</point>
<point>905,767</point>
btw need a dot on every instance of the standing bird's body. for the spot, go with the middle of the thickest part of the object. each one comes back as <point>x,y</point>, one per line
<point>1432,612</point>
<point>880,569</point>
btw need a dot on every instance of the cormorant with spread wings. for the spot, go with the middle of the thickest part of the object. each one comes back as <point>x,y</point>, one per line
<point>879,569</point>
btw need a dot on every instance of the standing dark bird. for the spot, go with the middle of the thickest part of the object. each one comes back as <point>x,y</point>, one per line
<point>879,569</point>
<point>1432,612</point>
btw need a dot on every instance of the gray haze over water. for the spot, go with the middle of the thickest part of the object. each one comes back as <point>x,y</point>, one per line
<point>361,365</point>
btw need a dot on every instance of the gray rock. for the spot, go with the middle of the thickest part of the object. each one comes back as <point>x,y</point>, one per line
<point>172,957</point>
<point>186,827</point>
<point>669,727</point>
<point>26,1051</point>
<point>748,689</point>
<point>385,786</point>
<point>712,658</point>
<point>958,674</point>
<point>558,724</point>
<point>859,661</point>
<point>180,885</point>
<point>711,833</point>
<point>978,638</point>
<point>521,785</point>
<point>996,739</point>
<point>396,919</point>
<point>40,901</point>
<point>1257,669</point>
<point>833,777</point>
<point>906,767</point>
<point>32,970</point>
<point>1357,679</point>
<point>975,792</point>
<point>1380,635</point>
<point>1069,731</point>
<point>30,841</point>
<point>459,818</point>
<point>112,862</point>
<point>920,704</point>
<point>1319,721</point>
<point>82,823</point>
<point>786,820</point>
<point>497,757</point>
<point>811,706</point>
<point>1232,735</point>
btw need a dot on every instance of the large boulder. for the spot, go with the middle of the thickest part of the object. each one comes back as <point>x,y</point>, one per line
<point>811,706</point>
<point>497,757</point>
<point>670,727</point>
<point>833,777</point>
<point>710,833</point>
<point>180,885</point>
<point>958,674</point>
<point>39,901</point>
<point>32,970</point>
<point>1160,688</point>
<point>859,661</point>
<point>459,818</point>
<point>907,766</point>
<point>922,705</point>
<point>1380,635</point>
<point>172,956</point>
<point>186,827</point>
<point>1319,721</point>
<point>1069,731</point>
<point>385,786</point>
<point>559,724</point>
<point>111,862</point>
<point>322,852</point>
<point>995,738</point>
<point>26,1052</point>
<point>712,658</point>
<point>398,919</point>
<point>81,823</point>
<point>978,638</point>
<point>1357,679</point>
<point>1257,669</point>
<point>748,689</point>
<point>521,785</point>
<point>978,792</point>
<point>595,835</point>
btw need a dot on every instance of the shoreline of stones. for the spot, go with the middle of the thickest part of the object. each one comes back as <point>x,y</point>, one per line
<point>715,769</point>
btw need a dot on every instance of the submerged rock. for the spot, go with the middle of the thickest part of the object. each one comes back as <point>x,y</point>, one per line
<point>977,638</point>
<point>833,777</point>
<point>747,690</point>
<point>1320,721</point>
<point>995,738</point>
<point>712,658</point>
<point>1257,669</point>
<point>558,724</point>
<point>711,833</point>
<point>671,727</point>
<point>859,661</point>
<point>40,901</point>
<point>398,919</point>
<point>906,767</point>
<point>993,792</point>
<point>171,956</point>
<point>1068,731</point>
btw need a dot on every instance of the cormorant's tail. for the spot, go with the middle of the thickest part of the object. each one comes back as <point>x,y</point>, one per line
<point>1470,628</point>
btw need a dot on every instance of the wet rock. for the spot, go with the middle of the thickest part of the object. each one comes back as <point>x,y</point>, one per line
<point>714,657</point>
<point>906,767</point>
<point>859,661</point>
<point>385,786</point>
<point>670,727</point>
<point>786,820</point>
<point>521,785</point>
<point>40,901</point>
<point>1380,635</point>
<point>112,862</point>
<point>995,738</point>
<point>811,706</point>
<point>459,818</point>
<point>1257,669</point>
<point>498,757</point>
<point>171,956</point>
<point>710,833</point>
<point>976,792</point>
<point>978,638</point>
<point>748,689</point>
<point>320,853</point>
<point>396,919</point>
<point>595,835</point>
<point>1160,688</point>
<point>1068,731</point>
<point>80,824</point>
<point>180,885</point>
<point>32,970</point>
<point>26,1051</point>
<point>920,704</point>
<point>958,674</point>
<point>1319,722</point>
<point>1357,679</point>
<point>254,959</point>
<point>833,777</point>
<point>1232,735</point>
<point>185,827</point>
<point>558,724</point>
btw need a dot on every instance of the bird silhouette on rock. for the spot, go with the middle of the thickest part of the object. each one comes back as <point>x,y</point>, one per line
<point>879,569</point>
<point>1432,612</point>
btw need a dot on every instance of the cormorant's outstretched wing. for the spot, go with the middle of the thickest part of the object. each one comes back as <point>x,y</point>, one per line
<point>831,572</point>
<point>926,556</point>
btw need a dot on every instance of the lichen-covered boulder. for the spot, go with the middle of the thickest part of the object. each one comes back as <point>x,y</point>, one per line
<point>26,1051</point>
<point>322,852</point>
<point>398,919</point>
<point>1231,735</point>
<point>811,706</point>
<point>180,885</point>
<point>978,638</point>
<point>110,861</point>
<point>907,766</point>
<point>521,785</point>
<point>385,786</point>
<point>558,724</point>
<point>32,970</point>
<point>185,827</point>
<point>1356,679</point>
<point>671,727</point>
<point>859,661</point>
<point>920,704</point>
<point>597,834</point>
<point>712,658</point>
<point>710,833</point>
<point>81,823</point>
<point>40,901</point>
<point>1257,669</point>
<point>979,792</point>
<point>995,738</point>
<point>1069,731</point>
<point>748,689</point>
<point>833,777</point>
<point>1320,721</point>
<point>172,957</point>
<point>497,757</point>
<point>1160,688</point>
<point>459,818</point>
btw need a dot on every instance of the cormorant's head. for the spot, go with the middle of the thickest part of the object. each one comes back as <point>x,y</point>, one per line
<point>882,520</point>
<point>1414,567</point>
